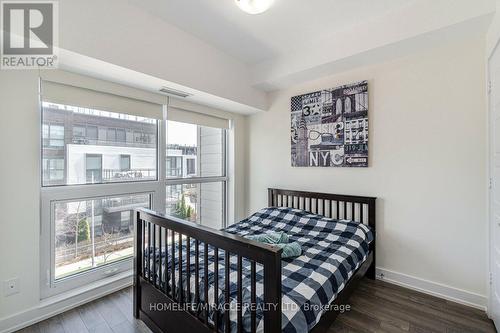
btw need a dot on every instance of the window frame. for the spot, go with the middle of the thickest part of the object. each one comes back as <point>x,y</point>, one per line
<point>224,178</point>
<point>157,188</point>
<point>50,195</point>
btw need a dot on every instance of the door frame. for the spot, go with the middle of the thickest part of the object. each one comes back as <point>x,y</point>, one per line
<point>489,176</point>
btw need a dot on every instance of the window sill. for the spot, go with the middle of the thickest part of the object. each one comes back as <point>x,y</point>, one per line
<point>121,280</point>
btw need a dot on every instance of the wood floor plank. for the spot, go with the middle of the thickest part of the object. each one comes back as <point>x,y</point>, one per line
<point>428,300</point>
<point>73,323</point>
<point>90,315</point>
<point>376,307</point>
<point>30,329</point>
<point>127,327</point>
<point>374,311</point>
<point>101,328</point>
<point>109,312</point>
<point>123,304</point>
<point>422,309</point>
<point>341,327</point>
<point>51,325</point>
<point>406,312</point>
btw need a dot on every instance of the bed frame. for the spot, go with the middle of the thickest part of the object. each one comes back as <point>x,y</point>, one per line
<point>165,312</point>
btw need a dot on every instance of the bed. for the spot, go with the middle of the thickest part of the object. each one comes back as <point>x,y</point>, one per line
<point>181,283</point>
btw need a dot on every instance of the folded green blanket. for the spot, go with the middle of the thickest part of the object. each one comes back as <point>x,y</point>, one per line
<point>290,250</point>
<point>270,238</point>
<point>279,239</point>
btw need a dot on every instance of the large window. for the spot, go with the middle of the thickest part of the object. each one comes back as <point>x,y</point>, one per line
<point>104,154</point>
<point>91,234</point>
<point>99,162</point>
<point>196,173</point>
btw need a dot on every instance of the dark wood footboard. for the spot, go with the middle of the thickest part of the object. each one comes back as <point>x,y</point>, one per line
<point>157,300</point>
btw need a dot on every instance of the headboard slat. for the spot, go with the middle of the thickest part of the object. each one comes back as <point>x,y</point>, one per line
<point>312,201</point>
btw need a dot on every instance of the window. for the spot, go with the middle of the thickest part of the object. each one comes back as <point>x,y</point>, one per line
<point>53,135</point>
<point>53,170</point>
<point>196,179</point>
<point>93,168</point>
<point>143,138</point>
<point>97,231</point>
<point>124,162</point>
<point>79,131</point>
<point>86,231</point>
<point>127,156</point>
<point>347,105</point>
<point>92,134</point>
<point>199,202</point>
<point>83,167</point>
<point>191,166</point>
<point>111,135</point>
<point>84,236</point>
<point>174,166</point>
<point>120,135</point>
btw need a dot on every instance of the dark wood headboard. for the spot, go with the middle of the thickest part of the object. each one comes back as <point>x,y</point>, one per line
<point>336,206</point>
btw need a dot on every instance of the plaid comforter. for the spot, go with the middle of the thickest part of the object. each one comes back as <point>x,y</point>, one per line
<point>331,252</point>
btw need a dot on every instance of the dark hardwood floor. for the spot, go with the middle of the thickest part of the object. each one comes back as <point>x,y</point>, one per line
<point>382,307</point>
<point>376,306</point>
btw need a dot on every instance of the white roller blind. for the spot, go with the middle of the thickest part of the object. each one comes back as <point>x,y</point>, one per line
<point>76,90</point>
<point>191,113</point>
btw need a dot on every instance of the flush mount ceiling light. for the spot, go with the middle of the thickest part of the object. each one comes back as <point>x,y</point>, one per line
<point>254,6</point>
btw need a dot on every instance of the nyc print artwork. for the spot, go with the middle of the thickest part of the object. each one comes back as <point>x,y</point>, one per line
<point>330,127</point>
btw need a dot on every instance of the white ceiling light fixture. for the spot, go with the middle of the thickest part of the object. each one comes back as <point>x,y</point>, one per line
<point>254,6</point>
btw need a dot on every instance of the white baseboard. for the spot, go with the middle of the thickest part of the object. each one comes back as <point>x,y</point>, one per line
<point>433,288</point>
<point>58,304</point>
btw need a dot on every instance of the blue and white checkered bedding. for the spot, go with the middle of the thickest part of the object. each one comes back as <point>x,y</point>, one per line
<point>332,250</point>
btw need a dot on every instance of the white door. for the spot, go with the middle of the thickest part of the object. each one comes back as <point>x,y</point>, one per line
<point>494,213</point>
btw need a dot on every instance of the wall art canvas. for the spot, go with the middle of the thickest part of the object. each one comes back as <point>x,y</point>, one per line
<point>330,127</point>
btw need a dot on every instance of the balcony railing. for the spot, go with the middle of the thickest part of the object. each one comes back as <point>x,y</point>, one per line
<point>96,142</point>
<point>177,172</point>
<point>133,174</point>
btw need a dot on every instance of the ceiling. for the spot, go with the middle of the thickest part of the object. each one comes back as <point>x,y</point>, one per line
<point>299,40</point>
<point>288,26</point>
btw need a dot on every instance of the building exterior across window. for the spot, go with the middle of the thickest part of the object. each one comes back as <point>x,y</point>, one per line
<point>196,173</point>
<point>90,145</point>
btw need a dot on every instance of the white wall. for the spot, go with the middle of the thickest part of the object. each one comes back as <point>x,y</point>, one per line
<point>493,34</point>
<point>427,163</point>
<point>19,192</point>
